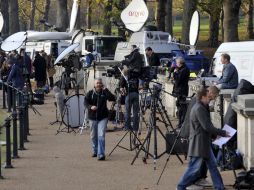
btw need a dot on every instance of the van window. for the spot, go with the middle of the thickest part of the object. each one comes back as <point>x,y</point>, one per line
<point>107,46</point>
<point>88,43</point>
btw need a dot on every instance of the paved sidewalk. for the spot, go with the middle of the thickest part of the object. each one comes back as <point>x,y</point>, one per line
<point>64,162</point>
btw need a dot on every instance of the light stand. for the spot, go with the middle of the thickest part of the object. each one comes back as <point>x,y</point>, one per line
<point>56,121</point>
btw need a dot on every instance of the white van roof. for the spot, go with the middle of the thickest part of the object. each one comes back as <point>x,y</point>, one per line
<point>246,46</point>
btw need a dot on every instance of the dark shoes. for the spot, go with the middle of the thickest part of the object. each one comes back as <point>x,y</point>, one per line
<point>101,158</point>
<point>94,155</point>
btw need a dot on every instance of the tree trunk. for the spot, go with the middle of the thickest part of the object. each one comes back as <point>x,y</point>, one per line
<point>121,6</point>
<point>61,15</point>
<point>160,15</point>
<point>214,27</point>
<point>78,24</point>
<point>230,22</point>
<point>46,13</point>
<point>221,22</point>
<point>88,14</point>
<point>107,23</point>
<point>249,18</point>
<point>168,18</point>
<point>32,14</point>
<point>4,10</point>
<point>188,10</point>
<point>13,16</point>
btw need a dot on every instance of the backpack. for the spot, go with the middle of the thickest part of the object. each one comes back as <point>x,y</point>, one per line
<point>245,180</point>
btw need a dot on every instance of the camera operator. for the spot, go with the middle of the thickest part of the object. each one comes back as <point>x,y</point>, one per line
<point>133,61</point>
<point>131,100</point>
<point>181,88</point>
<point>96,102</point>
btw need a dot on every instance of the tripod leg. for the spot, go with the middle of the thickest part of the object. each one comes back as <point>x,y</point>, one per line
<point>118,143</point>
<point>142,146</point>
<point>170,152</point>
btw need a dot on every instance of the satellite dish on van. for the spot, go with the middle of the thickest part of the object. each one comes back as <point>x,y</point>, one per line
<point>14,41</point>
<point>1,22</point>
<point>135,15</point>
<point>66,52</point>
<point>194,28</point>
<point>74,13</point>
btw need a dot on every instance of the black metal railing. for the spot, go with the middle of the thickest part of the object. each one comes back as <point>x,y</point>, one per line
<point>16,125</point>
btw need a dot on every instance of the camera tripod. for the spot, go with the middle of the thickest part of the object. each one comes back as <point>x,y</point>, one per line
<point>133,138</point>
<point>156,106</point>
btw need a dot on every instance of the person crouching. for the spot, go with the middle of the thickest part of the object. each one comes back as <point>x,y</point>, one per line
<point>96,102</point>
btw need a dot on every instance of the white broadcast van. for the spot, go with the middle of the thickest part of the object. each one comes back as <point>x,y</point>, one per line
<point>242,56</point>
<point>157,40</point>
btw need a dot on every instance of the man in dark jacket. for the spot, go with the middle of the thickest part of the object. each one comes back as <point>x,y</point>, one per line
<point>200,139</point>
<point>181,88</point>
<point>152,58</point>
<point>96,103</point>
<point>40,70</point>
<point>134,60</point>
<point>15,77</point>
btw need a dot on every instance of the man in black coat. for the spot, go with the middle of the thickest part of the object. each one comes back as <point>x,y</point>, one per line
<point>152,58</point>
<point>96,103</point>
<point>181,88</point>
<point>134,61</point>
<point>40,70</point>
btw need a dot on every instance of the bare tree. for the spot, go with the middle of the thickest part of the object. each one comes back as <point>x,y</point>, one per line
<point>230,21</point>
<point>32,14</point>
<point>168,18</point>
<point>188,10</point>
<point>4,9</point>
<point>61,15</point>
<point>160,14</point>
<point>13,16</point>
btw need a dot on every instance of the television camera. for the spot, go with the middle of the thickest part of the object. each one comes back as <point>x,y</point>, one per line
<point>71,63</point>
<point>147,73</point>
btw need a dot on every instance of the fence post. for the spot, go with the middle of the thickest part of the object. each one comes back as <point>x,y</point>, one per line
<point>21,123</point>
<point>8,143</point>
<point>14,120</point>
<point>26,116</point>
<point>9,97</point>
<point>1,177</point>
<point>4,96</point>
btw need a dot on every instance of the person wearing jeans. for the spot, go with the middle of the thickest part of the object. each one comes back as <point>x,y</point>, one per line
<point>132,103</point>
<point>129,86</point>
<point>200,139</point>
<point>96,103</point>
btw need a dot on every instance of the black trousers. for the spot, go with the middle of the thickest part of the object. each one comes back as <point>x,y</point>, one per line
<point>181,105</point>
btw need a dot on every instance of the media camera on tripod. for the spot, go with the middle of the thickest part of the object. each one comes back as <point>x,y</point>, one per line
<point>71,65</point>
